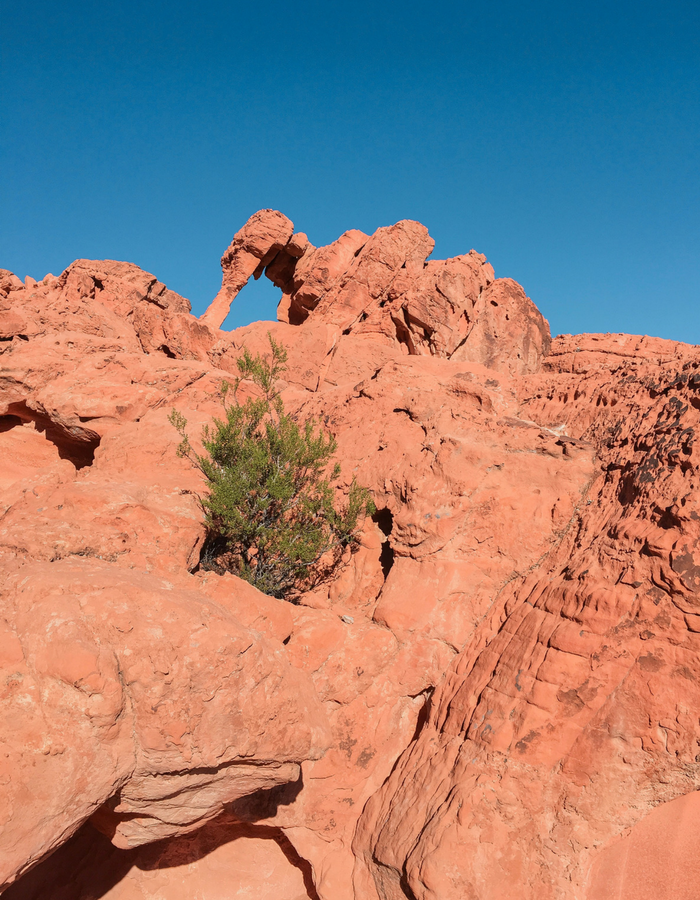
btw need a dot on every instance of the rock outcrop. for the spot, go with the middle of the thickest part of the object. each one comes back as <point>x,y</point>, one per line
<point>381,288</point>
<point>572,711</point>
<point>496,695</point>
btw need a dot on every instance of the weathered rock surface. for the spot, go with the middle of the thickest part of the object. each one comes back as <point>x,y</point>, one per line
<point>497,695</point>
<point>146,706</point>
<point>254,247</point>
<point>381,287</point>
<point>572,712</point>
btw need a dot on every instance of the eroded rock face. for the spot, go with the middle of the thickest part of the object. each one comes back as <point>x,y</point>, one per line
<point>497,693</point>
<point>384,288</point>
<point>572,712</point>
<point>161,698</point>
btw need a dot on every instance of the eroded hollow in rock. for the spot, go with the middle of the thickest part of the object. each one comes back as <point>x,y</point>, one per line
<point>7,423</point>
<point>76,444</point>
<point>385,520</point>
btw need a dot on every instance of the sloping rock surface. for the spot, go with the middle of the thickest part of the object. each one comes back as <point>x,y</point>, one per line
<point>497,694</point>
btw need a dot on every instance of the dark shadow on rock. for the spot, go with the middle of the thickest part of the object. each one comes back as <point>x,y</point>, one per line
<point>88,865</point>
<point>385,520</point>
<point>194,846</point>
<point>264,804</point>
<point>7,423</point>
<point>76,443</point>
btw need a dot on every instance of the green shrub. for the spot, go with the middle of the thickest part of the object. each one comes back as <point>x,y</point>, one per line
<point>270,510</point>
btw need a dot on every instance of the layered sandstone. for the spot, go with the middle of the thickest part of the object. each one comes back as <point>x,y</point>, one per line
<point>496,695</point>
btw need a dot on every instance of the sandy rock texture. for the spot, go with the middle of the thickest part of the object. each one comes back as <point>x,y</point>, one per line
<point>496,695</point>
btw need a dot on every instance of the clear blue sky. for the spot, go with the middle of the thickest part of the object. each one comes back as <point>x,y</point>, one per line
<point>560,139</point>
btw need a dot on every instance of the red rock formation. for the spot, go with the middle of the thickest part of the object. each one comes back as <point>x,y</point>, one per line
<point>572,712</point>
<point>253,248</point>
<point>381,287</point>
<point>495,696</point>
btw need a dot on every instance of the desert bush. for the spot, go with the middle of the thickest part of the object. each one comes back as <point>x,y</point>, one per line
<point>270,509</point>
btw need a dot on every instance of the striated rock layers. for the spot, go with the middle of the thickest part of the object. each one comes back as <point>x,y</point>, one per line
<point>498,694</point>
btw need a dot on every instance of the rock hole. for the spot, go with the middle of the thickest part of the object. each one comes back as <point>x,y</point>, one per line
<point>9,422</point>
<point>76,444</point>
<point>298,314</point>
<point>167,351</point>
<point>213,547</point>
<point>265,803</point>
<point>386,558</point>
<point>385,521</point>
<point>257,300</point>
<point>667,518</point>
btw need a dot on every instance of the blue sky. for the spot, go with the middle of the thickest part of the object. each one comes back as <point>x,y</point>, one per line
<point>559,139</point>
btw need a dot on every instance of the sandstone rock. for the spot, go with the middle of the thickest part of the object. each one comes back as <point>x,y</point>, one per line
<point>256,244</point>
<point>143,705</point>
<point>370,274</point>
<point>382,287</point>
<point>495,694</point>
<point>320,271</point>
<point>567,717</point>
<point>9,282</point>
<point>12,324</point>
<point>298,245</point>
<point>27,455</point>
<point>657,860</point>
<point>118,286</point>
<point>510,336</point>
